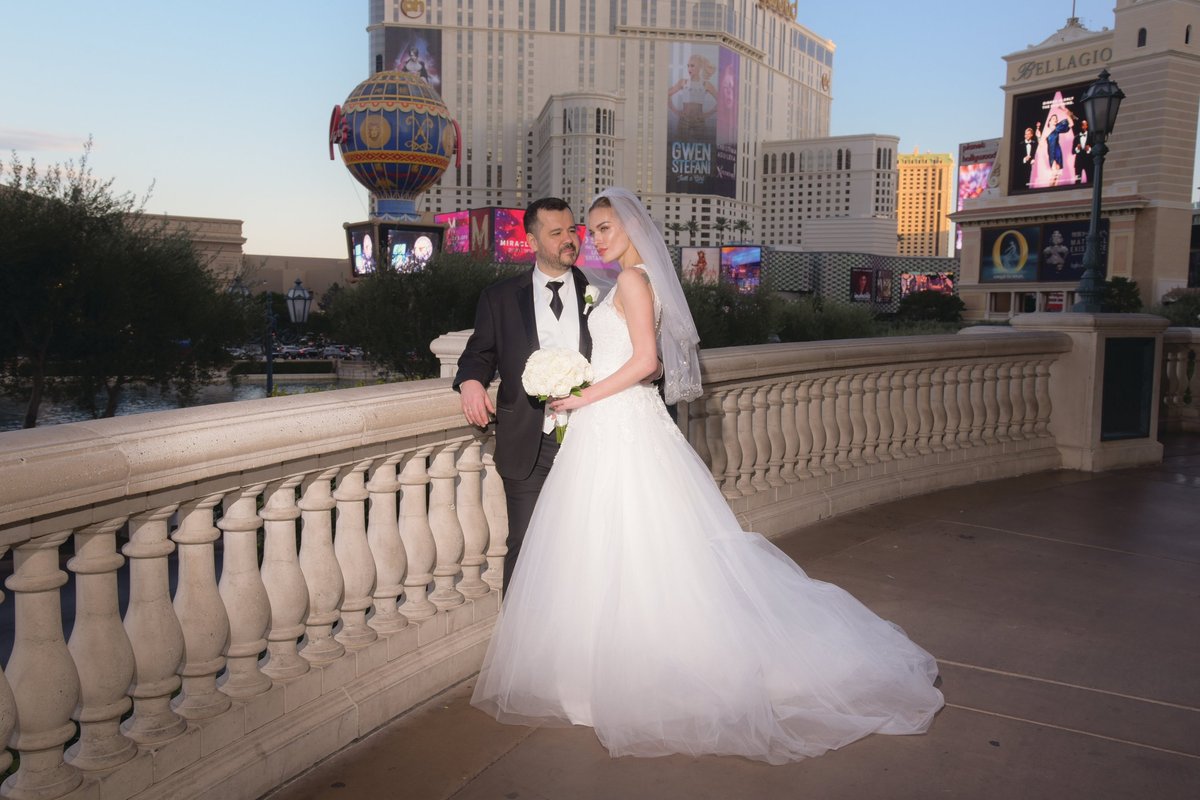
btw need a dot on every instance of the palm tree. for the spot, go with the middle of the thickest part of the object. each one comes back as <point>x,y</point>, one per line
<point>693,227</point>
<point>742,226</point>
<point>676,228</point>
<point>720,225</point>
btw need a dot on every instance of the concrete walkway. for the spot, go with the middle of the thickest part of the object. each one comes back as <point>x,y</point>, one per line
<point>1064,610</point>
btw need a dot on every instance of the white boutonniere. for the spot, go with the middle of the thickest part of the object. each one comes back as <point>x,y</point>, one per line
<point>590,295</point>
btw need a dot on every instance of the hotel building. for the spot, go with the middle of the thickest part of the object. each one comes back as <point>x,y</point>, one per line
<point>923,204</point>
<point>1023,244</point>
<point>672,99</point>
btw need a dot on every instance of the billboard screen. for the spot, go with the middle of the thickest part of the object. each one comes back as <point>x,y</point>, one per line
<point>975,163</point>
<point>456,238</point>
<point>741,265</point>
<point>862,285</point>
<point>508,231</point>
<point>700,264</point>
<point>1051,146</point>
<point>409,247</point>
<point>1046,253</point>
<point>414,50</point>
<point>883,286</point>
<point>938,282</point>
<point>360,239</point>
<point>702,121</point>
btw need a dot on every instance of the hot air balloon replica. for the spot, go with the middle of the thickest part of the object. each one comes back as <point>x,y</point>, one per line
<point>396,137</point>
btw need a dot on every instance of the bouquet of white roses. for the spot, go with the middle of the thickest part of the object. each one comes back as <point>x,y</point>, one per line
<point>556,372</point>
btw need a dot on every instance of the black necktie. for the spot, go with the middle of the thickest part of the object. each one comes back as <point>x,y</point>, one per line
<point>556,301</point>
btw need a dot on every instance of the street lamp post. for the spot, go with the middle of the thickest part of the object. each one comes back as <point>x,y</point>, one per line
<point>299,300</point>
<point>1100,103</point>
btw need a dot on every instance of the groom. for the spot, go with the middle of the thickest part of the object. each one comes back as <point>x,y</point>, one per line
<point>543,307</point>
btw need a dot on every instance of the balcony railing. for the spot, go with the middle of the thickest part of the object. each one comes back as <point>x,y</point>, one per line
<point>252,586</point>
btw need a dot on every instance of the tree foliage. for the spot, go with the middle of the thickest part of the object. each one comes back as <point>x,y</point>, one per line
<point>95,296</point>
<point>1120,296</point>
<point>395,316</point>
<point>930,305</point>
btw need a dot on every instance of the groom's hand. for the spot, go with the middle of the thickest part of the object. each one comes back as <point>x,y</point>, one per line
<point>476,404</point>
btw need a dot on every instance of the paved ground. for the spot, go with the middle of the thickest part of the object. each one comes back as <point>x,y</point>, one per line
<point>1064,609</point>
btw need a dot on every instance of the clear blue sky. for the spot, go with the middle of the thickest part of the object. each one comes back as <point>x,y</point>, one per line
<point>223,106</point>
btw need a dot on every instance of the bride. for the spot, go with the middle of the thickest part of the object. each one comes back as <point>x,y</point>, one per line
<point>640,608</point>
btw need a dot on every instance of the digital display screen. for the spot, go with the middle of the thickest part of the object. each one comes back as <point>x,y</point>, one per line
<point>1051,146</point>
<point>457,236</point>
<point>362,243</point>
<point>741,265</point>
<point>409,247</point>
<point>939,282</point>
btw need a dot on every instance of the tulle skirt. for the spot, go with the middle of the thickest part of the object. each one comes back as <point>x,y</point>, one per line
<point>640,608</point>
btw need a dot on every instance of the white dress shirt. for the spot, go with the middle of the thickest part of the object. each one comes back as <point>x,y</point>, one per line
<point>552,332</point>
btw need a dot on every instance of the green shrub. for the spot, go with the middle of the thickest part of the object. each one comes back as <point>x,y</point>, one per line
<point>1120,296</point>
<point>727,318</point>
<point>1181,307</point>
<point>810,319</point>
<point>930,305</point>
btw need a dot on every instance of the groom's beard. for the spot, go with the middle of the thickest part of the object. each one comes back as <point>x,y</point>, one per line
<point>567,255</point>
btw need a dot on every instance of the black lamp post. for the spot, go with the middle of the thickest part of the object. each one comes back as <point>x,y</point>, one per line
<point>1100,103</point>
<point>299,300</point>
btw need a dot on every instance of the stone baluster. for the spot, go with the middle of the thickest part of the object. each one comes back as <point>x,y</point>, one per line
<point>8,704</point>
<point>472,519</point>
<point>1042,428</point>
<point>966,405</point>
<point>804,431</point>
<point>912,416</point>
<point>447,532</point>
<point>1004,410</point>
<point>774,401</point>
<point>495,507</point>
<point>745,437</point>
<point>1029,396</point>
<point>937,405</point>
<point>732,443</point>
<point>153,630</point>
<point>417,536</point>
<point>991,407</point>
<point>713,420</point>
<point>791,437</point>
<point>829,418</point>
<point>283,579</point>
<point>978,405</point>
<point>354,555</point>
<point>883,411</point>
<point>899,418</point>
<point>762,439</point>
<point>870,413</point>
<point>816,424</point>
<point>43,678</point>
<point>101,650</point>
<point>697,431</point>
<point>383,537</point>
<point>950,401</point>
<point>841,415</point>
<point>244,595</point>
<point>924,411</point>
<point>858,423</point>
<point>1016,399</point>
<point>322,573</point>
<point>200,612</point>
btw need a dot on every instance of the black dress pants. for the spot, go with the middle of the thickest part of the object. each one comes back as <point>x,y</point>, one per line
<point>521,496</point>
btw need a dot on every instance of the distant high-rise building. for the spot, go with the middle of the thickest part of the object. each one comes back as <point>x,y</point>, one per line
<point>923,204</point>
<point>671,100</point>
<point>836,193</point>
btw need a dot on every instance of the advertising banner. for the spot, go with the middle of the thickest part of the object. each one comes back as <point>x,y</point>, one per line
<point>414,50</point>
<point>700,264</point>
<point>702,122</point>
<point>1051,143</point>
<point>976,161</point>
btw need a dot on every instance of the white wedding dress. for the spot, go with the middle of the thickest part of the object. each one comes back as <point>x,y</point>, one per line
<point>639,607</point>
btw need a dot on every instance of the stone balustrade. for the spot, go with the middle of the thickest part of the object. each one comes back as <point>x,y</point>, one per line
<point>1181,389</point>
<point>252,586</point>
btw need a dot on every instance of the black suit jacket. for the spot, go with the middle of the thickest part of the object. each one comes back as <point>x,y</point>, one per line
<point>504,337</point>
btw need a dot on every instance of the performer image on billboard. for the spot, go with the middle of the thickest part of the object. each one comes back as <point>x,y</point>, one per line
<point>1083,153</point>
<point>1029,148</point>
<point>699,100</point>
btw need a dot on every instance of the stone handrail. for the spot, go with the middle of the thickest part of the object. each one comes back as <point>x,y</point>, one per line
<point>300,570</point>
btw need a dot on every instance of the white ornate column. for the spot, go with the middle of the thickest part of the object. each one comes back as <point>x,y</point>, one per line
<point>953,411</point>
<point>762,440</point>
<point>472,519</point>
<point>745,438</point>
<point>791,437</point>
<point>858,422</point>
<point>200,612</point>
<point>495,508</point>
<point>447,532</point>
<point>697,429</point>
<point>1004,408</point>
<point>383,536</point>
<point>714,419</point>
<point>322,573</point>
<point>841,414</point>
<point>417,536</point>
<point>283,579</point>
<point>101,650</point>
<point>978,404</point>
<point>245,596</point>
<point>1029,396</point>
<point>899,418</point>
<point>774,398</point>
<point>883,410</point>
<point>804,430</point>
<point>870,412</point>
<point>816,424</point>
<point>1042,427</point>
<point>41,673</point>
<point>153,629</point>
<point>732,444</point>
<point>937,405</point>
<point>912,417</point>
<point>354,556</point>
<point>966,405</point>
<point>924,412</point>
